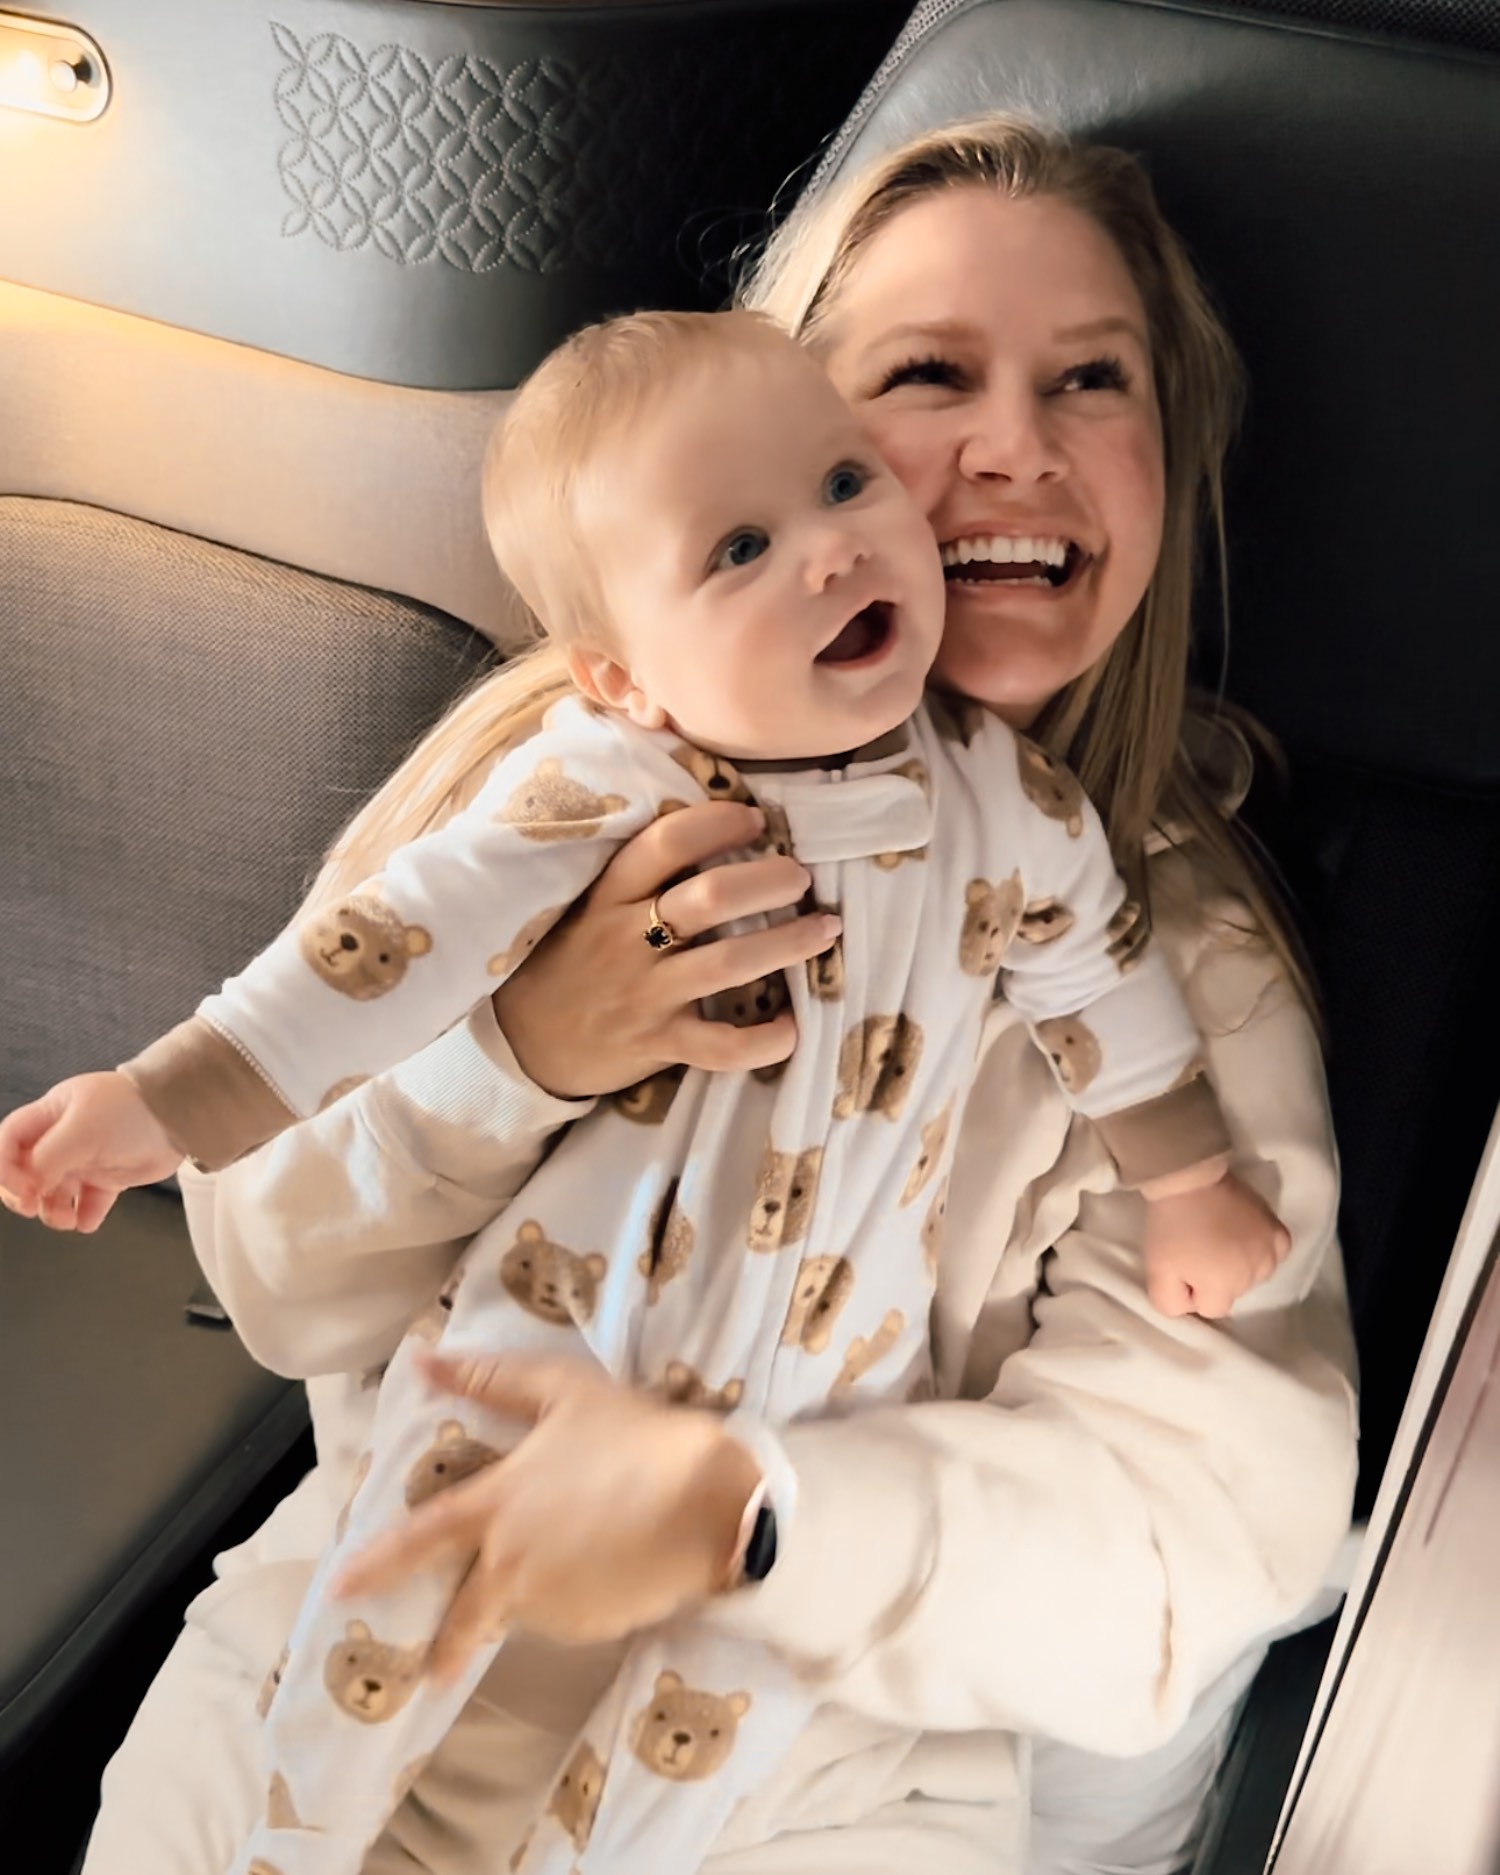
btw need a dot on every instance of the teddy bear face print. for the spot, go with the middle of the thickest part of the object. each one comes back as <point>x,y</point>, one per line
<point>551,805</point>
<point>368,1678</point>
<point>552,1283</point>
<point>452,1457</point>
<point>684,1734</point>
<point>360,948</point>
<point>575,1800</point>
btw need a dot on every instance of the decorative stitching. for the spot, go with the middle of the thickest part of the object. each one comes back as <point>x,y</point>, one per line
<point>543,165</point>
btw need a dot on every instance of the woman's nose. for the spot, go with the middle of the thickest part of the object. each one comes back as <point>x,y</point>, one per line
<point>1010,437</point>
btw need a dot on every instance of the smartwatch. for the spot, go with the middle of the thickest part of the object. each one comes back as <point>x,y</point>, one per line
<point>760,1550</point>
<point>755,1545</point>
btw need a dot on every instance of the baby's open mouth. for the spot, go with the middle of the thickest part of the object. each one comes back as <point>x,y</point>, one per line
<point>865,636</point>
<point>999,560</point>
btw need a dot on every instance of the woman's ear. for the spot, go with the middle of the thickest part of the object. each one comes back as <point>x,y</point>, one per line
<point>604,680</point>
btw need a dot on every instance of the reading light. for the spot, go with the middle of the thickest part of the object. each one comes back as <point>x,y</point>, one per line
<point>55,71</point>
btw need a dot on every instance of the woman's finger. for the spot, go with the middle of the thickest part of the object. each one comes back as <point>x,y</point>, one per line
<point>723,893</point>
<point>723,1049</point>
<point>476,1617</point>
<point>446,1527</point>
<point>710,969</point>
<point>522,1386</point>
<point>672,845</point>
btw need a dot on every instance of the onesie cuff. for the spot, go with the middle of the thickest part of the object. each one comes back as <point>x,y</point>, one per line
<point>1157,1137</point>
<point>213,1104</point>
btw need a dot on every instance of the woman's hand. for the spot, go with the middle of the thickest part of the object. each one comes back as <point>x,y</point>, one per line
<point>594,1008</point>
<point>613,1513</point>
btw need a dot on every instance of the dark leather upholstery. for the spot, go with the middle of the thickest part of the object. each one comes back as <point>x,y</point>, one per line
<point>1339,193</point>
<point>429,194</point>
<point>128,1439</point>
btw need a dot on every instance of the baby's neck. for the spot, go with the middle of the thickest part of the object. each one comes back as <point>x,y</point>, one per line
<point>891,743</point>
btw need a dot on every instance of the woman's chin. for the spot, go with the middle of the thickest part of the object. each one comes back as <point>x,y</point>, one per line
<point>1016,687</point>
<point>1015,661</point>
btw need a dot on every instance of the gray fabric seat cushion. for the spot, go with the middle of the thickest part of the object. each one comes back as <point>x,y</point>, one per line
<point>182,730</point>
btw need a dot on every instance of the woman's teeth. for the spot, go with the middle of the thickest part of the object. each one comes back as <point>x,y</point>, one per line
<point>1017,559</point>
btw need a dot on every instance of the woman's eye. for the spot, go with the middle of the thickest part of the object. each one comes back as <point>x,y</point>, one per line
<point>930,370</point>
<point>1099,374</point>
<point>741,548</point>
<point>845,483</point>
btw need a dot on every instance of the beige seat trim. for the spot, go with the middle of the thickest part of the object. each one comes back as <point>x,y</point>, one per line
<point>372,483</point>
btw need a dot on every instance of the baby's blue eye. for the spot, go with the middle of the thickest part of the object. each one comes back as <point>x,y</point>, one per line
<point>845,483</point>
<point>741,548</point>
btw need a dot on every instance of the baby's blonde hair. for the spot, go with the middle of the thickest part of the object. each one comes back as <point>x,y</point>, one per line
<point>571,425</point>
<point>568,421</point>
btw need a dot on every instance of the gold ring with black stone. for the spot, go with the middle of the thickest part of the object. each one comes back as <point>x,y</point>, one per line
<point>659,934</point>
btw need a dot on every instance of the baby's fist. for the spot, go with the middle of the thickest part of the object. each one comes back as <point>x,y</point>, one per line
<point>1206,1248</point>
<point>65,1158</point>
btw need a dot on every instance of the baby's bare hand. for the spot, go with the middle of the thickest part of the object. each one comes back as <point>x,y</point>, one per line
<point>66,1157</point>
<point>1205,1249</point>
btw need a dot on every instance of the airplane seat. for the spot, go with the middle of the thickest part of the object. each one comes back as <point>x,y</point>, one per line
<point>1333,166</point>
<point>267,275</point>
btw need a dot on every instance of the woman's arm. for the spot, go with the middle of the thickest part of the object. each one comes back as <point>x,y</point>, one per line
<point>1137,1500</point>
<point>324,1244</point>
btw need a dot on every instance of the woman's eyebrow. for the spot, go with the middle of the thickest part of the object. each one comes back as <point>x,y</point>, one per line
<point>1101,328</point>
<point>930,330</point>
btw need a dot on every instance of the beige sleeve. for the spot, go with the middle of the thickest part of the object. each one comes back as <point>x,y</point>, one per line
<point>1170,1133</point>
<point>1137,1501</point>
<point>212,1102</point>
<point>326,1243</point>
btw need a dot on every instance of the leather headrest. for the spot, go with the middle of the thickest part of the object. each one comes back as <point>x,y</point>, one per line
<point>1339,191</point>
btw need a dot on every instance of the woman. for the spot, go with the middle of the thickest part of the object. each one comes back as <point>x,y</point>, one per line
<point>1088,1536</point>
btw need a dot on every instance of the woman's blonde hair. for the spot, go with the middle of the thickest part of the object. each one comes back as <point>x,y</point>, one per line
<point>584,399</point>
<point>1124,725</point>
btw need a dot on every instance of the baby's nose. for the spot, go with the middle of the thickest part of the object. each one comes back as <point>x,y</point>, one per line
<point>834,555</point>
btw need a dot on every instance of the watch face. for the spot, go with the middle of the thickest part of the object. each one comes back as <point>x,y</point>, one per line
<point>760,1552</point>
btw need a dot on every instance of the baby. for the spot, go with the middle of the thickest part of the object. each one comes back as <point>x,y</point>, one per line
<point>749,604</point>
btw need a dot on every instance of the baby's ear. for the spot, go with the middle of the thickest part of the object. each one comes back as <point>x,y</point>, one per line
<point>601,678</point>
<point>604,680</point>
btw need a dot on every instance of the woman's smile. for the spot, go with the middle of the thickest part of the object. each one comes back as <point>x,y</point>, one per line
<point>995,351</point>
